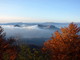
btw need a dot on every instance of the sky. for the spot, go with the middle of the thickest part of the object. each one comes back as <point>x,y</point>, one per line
<point>39,11</point>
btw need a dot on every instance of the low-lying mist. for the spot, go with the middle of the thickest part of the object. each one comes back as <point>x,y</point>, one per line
<point>27,32</point>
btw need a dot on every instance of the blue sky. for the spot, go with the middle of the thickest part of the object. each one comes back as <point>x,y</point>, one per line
<point>39,10</point>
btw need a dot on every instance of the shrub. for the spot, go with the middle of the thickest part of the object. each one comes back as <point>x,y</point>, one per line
<point>27,53</point>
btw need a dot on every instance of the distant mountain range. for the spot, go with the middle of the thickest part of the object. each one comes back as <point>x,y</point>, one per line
<point>32,33</point>
<point>46,25</point>
<point>14,23</point>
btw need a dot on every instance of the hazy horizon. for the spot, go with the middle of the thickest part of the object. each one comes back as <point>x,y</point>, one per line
<point>35,22</point>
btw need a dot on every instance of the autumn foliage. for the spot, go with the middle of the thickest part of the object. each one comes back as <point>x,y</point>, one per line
<point>6,47</point>
<point>64,45</point>
<point>9,50</point>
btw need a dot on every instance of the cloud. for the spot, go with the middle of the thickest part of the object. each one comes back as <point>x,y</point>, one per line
<point>27,32</point>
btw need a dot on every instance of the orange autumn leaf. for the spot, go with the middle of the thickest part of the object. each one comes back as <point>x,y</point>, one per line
<point>64,45</point>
